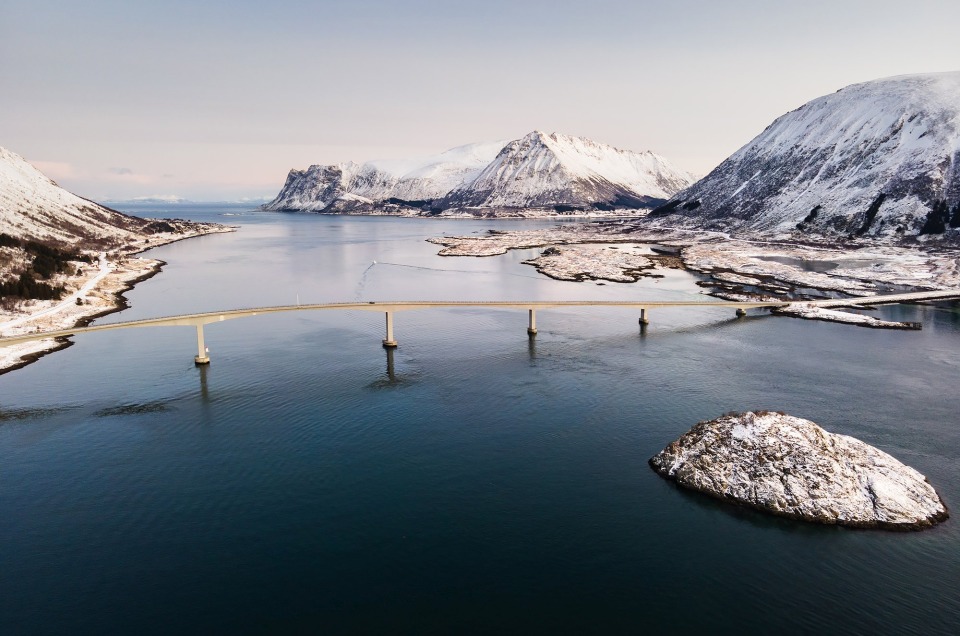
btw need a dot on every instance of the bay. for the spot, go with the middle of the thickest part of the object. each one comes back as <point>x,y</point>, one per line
<point>472,481</point>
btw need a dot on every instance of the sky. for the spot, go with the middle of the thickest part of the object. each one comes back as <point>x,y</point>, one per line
<point>218,100</point>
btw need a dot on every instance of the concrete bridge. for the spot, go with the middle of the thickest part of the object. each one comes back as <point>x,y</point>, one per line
<point>389,308</point>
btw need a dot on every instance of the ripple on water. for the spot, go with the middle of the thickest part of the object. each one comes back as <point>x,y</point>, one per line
<point>133,409</point>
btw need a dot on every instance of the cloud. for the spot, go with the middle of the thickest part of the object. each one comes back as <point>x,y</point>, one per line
<point>55,169</point>
<point>126,175</point>
<point>162,198</point>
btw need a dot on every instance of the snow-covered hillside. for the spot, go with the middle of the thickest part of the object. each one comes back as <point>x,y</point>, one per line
<point>879,159</point>
<point>555,172</point>
<point>35,208</point>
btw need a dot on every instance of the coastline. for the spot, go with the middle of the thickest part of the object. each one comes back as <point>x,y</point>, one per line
<point>732,268</point>
<point>499,215</point>
<point>105,298</point>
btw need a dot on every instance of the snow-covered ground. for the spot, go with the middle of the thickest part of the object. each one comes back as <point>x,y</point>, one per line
<point>739,269</point>
<point>34,208</point>
<point>624,263</point>
<point>498,242</point>
<point>811,312</point>
<point>99,293</point>
<point>33,317</point>
<point>98,288</point>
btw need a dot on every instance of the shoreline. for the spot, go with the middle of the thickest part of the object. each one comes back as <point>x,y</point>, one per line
<point>466,216</point>
<point>747,269</point>
<point>108,296</point>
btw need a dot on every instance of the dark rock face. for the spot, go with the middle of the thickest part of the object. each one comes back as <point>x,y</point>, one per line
<point>874,159</point>
<point>793,468</point>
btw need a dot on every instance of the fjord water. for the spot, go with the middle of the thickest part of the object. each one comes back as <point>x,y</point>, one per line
<point>472,481</point>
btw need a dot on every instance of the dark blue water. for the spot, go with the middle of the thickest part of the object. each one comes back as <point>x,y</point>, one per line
<point>473,481</point>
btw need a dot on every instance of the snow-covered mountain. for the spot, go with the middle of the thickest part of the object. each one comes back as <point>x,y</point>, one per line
<point>879,159</point>
<point>33,207</point>
<point>538,171</point>
<point>351,186</point>
<point>541,170</point>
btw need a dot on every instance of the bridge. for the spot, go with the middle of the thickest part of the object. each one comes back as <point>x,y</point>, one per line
<point>198,320</point>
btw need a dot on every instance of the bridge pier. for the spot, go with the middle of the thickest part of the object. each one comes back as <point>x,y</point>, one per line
<point>201,357</point>
<point>643,316</point>
<point>389,342</point>
<point>532,326</point>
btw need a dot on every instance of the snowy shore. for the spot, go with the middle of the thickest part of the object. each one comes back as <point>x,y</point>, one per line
<point>737,269</point>
<point>99,290</point>
<point>809,312</point>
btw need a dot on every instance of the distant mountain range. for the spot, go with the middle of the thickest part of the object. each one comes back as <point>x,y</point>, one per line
<point>537,173</point>
<point>879,159</point>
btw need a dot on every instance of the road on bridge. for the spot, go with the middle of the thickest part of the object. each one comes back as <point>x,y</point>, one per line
<point>198,320</point>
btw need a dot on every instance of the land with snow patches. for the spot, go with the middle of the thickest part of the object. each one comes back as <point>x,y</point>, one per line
<point>100,245</point>
<point>732,269</point>
<point>855,193</point>
<point>99,290</point>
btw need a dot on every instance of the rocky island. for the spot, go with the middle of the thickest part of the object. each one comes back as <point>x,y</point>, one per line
<point>791,467</point>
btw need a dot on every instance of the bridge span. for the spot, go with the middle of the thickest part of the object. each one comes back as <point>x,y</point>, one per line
<point>198,320</point>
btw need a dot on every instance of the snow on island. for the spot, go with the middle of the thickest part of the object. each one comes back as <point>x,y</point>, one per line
<point>754,269</point>
<point>793,468</point>
<point>809,311</point>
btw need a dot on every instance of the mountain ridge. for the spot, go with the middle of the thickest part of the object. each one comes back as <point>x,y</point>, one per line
<point>878,159</point>
<point>536,172</point>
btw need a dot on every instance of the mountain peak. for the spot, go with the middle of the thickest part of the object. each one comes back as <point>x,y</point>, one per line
<point>536,171</point>
<point>878,159</point>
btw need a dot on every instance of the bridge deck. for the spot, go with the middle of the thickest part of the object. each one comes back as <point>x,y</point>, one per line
<point>200,319</point>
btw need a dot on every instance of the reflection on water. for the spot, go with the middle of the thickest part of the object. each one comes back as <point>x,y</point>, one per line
<point>801,263</point>
<point>203,370</point>
<point>132,409</point>
<point>820,266</point>
<point>391,378</point>
<point>13,414</point>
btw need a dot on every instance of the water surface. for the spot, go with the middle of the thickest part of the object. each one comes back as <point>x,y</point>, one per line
<point>473,481</point>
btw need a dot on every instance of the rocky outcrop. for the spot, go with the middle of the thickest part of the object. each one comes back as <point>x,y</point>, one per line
<point>793,468</point>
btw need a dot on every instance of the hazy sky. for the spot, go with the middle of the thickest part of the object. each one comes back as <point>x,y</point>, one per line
<point>218,100</point>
